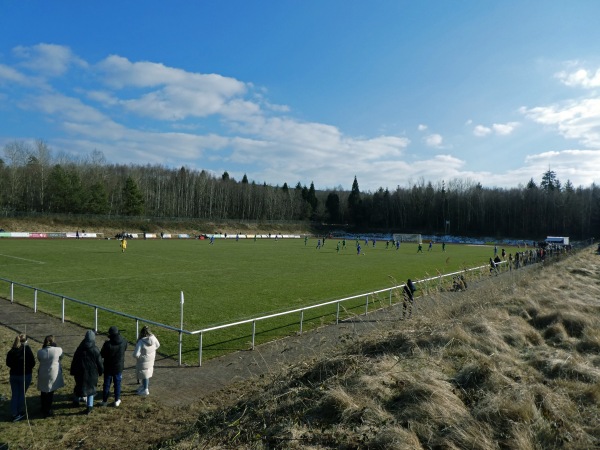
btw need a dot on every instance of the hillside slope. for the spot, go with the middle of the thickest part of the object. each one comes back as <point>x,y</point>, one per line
<point>514,362</point>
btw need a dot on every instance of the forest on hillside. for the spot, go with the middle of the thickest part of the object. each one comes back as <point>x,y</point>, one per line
<point>33,180</point>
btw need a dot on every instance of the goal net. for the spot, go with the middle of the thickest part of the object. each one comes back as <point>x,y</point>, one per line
<point>407,237</point>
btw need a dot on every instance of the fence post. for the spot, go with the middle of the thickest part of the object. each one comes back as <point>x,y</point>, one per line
<point>63,310</point>
<point>253,332</point>
<point>35,300</point>
<point>337,314</point>
<point>180,335</point>
<point>96,320</point>
<point>12,292</point>
<point>301,320</point>
<point>181,327</point>
<point>137,328</point>
<point>367,305</point>
<point>200,351</point>
<point>391,289</point>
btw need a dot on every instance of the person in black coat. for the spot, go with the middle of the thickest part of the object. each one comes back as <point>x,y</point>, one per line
<point>408,298</point>
<point>86,367</point>
<point>21,362</point>
<point>113,352</point>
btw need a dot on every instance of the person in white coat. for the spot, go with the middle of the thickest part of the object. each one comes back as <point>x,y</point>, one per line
<point>145,353</point>
<point>50,376</point>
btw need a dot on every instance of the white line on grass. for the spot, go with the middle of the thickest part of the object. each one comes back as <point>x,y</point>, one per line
<point>23,259</point>
<point>128,277</point>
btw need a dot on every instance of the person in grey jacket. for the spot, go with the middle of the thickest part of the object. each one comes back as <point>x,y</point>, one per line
<point>113,353</point>
<point>50,376</point>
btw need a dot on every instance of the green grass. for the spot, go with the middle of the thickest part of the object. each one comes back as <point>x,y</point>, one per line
<point>222,283</point>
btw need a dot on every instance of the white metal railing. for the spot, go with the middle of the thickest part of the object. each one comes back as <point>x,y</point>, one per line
<point>96,308</point>
<point>252,321</point>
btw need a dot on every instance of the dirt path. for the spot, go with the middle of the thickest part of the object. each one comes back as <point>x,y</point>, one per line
<point>174,385</point>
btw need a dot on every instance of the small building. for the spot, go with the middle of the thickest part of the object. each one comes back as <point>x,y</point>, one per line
<point>557,240</point>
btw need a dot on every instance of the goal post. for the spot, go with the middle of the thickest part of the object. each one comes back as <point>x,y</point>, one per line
<point>407,237</point>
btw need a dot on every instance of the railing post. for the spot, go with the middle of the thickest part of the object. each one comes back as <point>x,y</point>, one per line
<point>96,320</point>
<point>137,328</point>
<point>253,332</point>
<point>35,300</point>
<point>367,305</point>
<point>200,351</point>
<point>337,314</point>
<point>180,335</point>
<point>63,310</point>
<point>301,320</point>
<point>391,296</point>
<point>12,292</point>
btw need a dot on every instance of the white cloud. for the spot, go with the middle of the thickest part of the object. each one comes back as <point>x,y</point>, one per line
<point>575,119</point>
<point>262,138</point>
<point>500,129</point>
<point>504,129</point>
<point>434,140</point>
<point>481,131</point>
<point>47,59</point>
<point>173,94</point>
<point>60,107</point>
<point>580,78</point>
<point>568,164</point>
<point>9,74</point>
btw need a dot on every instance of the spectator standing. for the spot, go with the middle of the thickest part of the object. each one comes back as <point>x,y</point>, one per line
<point>50,375</point>
<point>21,362</point>
<point>145,354</point>
<point>409,299</point>
<point>86,367</point>
<point>113,353</point>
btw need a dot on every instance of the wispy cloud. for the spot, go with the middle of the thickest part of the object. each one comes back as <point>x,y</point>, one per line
<point>148,112</point>
<point>481,131</point>
<point>47,59</point>
<point>500,129</point>
<point>434,140</point>
<point>574,119</point>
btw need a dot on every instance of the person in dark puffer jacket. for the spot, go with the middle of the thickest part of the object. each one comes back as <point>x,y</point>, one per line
<point>86,367</point>
<point>113,352</point>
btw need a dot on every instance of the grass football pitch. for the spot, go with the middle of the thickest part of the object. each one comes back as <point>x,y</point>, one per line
<point>222,283</point>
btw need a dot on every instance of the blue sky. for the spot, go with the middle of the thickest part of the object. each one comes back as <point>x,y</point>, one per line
<point>392,92</point>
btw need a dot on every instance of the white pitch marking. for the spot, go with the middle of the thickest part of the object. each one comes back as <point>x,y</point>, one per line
<point>23,259</point>
<point>128,277</point>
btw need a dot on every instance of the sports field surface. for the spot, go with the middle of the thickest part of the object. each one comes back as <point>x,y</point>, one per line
<point>222,283</point>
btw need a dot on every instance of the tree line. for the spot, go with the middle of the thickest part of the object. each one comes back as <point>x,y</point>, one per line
<point>34,180</point>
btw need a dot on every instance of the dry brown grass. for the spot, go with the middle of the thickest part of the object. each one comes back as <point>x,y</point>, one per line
<point>514,362</point>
